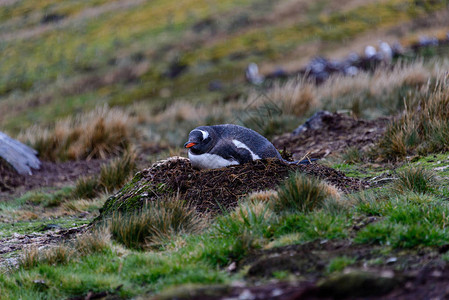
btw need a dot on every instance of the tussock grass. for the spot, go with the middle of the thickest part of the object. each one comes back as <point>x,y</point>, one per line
<point>352,155</point>
<point>86,187</point>
<point>88,243</point>
<point>54,255</point>
<point>250,217</point>
<point>422,128</point>
<point>414,179</point>
<point>112,176</point>
<point>116,173</point>
<point>302,193</point>
<point>267,196</point>
<point>30,258</point>
<point>93,242</point>
<point>101,133</point>
<point>155,223</point>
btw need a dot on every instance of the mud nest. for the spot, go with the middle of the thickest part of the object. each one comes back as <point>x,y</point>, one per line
<point>213,190</point>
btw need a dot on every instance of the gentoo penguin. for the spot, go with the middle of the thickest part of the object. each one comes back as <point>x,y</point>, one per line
<point>219,146</point>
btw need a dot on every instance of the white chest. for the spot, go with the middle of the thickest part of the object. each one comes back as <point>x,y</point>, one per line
<point>210,161</point>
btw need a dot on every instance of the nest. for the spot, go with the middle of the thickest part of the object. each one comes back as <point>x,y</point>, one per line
<point>216,189</point>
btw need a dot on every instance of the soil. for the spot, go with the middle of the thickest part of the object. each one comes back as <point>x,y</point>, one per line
<point>49,175</point>
<point>333,135</point>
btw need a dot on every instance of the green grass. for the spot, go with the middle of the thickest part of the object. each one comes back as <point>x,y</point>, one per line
<point>155,223</point>
<point>407,220</point>
<point>58,58</point>
<point>337,264</point>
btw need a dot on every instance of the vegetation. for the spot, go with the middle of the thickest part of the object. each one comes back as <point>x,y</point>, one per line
<point>303,193</point>
<point>155,224</point>
<point>185,251</point>
<point>97,79</point>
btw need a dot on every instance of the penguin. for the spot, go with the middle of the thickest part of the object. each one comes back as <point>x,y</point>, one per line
<point>218,146</point>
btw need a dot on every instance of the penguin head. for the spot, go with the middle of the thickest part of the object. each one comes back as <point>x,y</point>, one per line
<point>201,140</point>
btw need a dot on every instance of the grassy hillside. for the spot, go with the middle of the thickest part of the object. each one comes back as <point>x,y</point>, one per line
<point>103,88</point>
<point>123,52</point>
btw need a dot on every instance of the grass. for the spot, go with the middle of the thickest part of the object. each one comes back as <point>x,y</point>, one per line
<point>155,223</point>
<point>167,245</point>
<point>112,177</point>
<point>102,133</point>
<point>303,194</point>
<point>415,179</point>
<point>422,128</point>
<point>339,263</point>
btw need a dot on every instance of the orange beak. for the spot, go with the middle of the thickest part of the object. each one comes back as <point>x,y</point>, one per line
<point>188,145</point>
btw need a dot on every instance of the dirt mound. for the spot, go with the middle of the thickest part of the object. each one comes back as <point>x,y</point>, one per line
<point>211,190</point>
<point>331,134</point>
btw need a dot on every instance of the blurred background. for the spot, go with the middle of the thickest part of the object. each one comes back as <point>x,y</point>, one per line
<point>91,79</point>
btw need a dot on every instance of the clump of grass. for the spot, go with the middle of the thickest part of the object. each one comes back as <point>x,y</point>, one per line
<point>250,217</point>
<point>352,155</point>
<point>101,133</point>
<point>155,223</point>
<point>337,264</point>
<point>85,244</point>
<point>423,127</point>
<point>29,258</point>
<point>266,196</point>
<point>297,98</point>
<point>112,176</point>
<point>86,187</point>
<point>46,199</point>
<point>116,173</point>
<point>93,242</point>
<point>55,255</point>
<point>415,179</point>
<point>302,193</point>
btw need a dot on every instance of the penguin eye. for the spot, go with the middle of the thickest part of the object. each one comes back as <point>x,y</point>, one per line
<point>206,140</point>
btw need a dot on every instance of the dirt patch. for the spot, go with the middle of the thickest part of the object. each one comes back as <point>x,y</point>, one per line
<point>49,175</point>
<point>332,134</point>
<point>212,190</point>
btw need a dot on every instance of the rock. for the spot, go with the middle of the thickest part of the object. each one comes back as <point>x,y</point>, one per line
<point>252,74</point>
<point>315,122</point>
<point>52,18</point>
<point>21,157</point>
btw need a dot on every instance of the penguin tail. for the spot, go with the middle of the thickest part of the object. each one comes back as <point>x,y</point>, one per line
<point>306,161</point>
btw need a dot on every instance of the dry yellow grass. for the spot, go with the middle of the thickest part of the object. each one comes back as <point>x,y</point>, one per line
<point>296,97</point>
<point>251,209</point>
<point>101,133</point>
<point>423,127</point>
<point>262,196</point>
